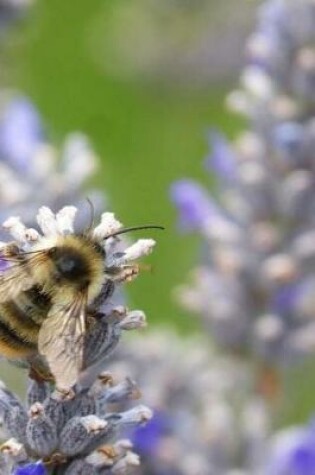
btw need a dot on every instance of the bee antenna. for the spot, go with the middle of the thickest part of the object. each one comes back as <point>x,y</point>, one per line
<point>134,228</point>
<point>92,215</point>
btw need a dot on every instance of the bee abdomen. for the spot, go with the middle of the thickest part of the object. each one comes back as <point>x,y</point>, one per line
<point>13,344</point>
<point>18,332</point>
<point>35,303</point>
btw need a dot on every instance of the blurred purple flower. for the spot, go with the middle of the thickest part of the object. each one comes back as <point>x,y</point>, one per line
<point>284,299</point>
<point>20,133</point>
<point>273,18</point>
<point>288,136</point>
<point>221,160</point>
<point>294,452</point>
<point>146,439</point>
<point>194,204</point>
<point>31,469</point>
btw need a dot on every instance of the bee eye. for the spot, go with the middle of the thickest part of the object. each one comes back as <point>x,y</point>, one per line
<point>69,267</point>
<point>66,265</point>
<point>52,251</point>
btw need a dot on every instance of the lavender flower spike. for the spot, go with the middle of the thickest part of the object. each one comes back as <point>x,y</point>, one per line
<point>254,291</point>
<point>194,391</point>
<point>29,163</point>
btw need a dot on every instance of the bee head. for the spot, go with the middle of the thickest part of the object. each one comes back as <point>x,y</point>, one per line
<point>69,264</point>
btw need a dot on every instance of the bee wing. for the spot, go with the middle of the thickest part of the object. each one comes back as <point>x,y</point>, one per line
<point>15,277</point>
<point>61,341</point>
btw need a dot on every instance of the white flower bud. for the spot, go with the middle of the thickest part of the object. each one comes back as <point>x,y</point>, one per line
<point>65,219</point>
<point>108,225</point>
<point>47,221</point>
<point>140,248</point>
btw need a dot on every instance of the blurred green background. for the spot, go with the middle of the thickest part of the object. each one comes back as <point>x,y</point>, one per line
<point>146,132</point>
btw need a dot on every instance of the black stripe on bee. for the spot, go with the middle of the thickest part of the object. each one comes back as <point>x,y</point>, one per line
<point>30,308</point>
<point>13,339</point>
<point>38,298</point>
<point>15,320</point>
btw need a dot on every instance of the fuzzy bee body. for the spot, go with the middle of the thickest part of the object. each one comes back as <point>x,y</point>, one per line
<point>19,325</point>
<point>51,284</point>
<point>58,280</point>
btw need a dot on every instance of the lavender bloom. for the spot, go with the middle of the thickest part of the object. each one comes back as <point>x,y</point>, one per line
<point>254,287</point>
<point>29,164</point>
<point>75,431</point>
<point>67,436</point>
<point>207,418</point>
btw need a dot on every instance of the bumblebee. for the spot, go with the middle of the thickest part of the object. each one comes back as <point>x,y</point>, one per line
<point>48,294</point>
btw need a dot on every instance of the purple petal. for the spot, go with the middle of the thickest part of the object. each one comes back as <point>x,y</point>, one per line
<point>31,469</point>
<point>146,439</point>
<point>288,136</point>
<point>294,452</point>
<point>273,16</point>
<point>20,133</point>
<point>303,460</point>
<point>193,203</point>
<point>284,299</point>
<point>222,159</point>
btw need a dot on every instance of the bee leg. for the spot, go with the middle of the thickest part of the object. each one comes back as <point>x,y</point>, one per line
<point>55,459</point>
<point>39,376</point>
<point>124,273</point>
<point>91,320</point>
<point>39,372</point>
<point>62,394</point>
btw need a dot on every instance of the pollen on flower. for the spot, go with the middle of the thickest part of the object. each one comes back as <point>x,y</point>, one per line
<point>94,424</point>
<point>36,410</point>
<point>13,447</point>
